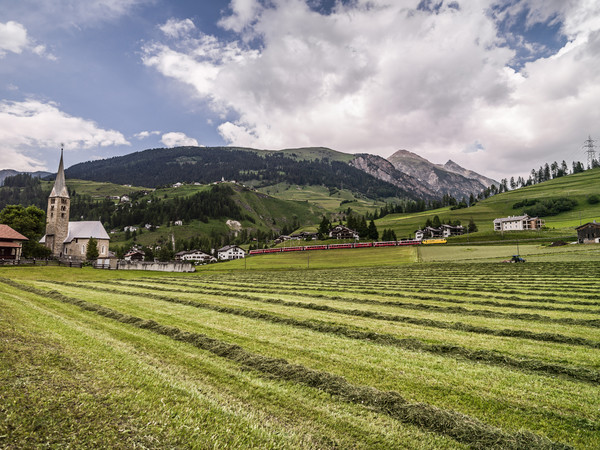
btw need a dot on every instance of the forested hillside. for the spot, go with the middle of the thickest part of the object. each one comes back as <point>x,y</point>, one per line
<point>158,167</point>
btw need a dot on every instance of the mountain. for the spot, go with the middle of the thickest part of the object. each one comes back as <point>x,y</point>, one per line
<point>451,166</point>
<point>384,170</point>
<point>438,178</point>
<point>4,173</point>
<point>258,168</point>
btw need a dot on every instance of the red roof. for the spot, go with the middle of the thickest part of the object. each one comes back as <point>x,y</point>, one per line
<point>7,232</point>
<point>10,244</point>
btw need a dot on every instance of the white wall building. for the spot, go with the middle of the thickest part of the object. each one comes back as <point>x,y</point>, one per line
<point>230,252</point>
<point>518,223</point>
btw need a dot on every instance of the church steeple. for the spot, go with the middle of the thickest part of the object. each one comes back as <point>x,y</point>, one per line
<point>57,215</point>
<point>60,186</point>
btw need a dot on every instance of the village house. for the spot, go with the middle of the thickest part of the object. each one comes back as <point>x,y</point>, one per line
<point>135,255</point>
<point>518,223</point>
<point>196,256</point>
<point>230,252</point>
<point>588,233</point>
<point>70,239</point>
<point>343,232</point>
<point>178,223</point>
<point>304,236</point>
<point>11,242</point>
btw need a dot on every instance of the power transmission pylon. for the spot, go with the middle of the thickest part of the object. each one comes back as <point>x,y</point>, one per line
<point>590,149</point>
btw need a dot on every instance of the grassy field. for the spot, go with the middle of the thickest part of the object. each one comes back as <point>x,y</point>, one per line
<point>577,187</point>
<point>410,355</point>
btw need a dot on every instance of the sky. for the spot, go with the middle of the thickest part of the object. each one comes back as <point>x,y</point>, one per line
<point>500,87</point>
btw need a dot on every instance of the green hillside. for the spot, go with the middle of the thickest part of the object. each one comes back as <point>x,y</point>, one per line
<point>578,187</point>
<point>95,189</point>
<point>261,213</point>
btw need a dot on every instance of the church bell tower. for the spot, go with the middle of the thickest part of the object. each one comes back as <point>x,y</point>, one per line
<point>57,215</point>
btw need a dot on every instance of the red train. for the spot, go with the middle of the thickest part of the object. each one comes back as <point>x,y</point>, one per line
<point>299,248</point>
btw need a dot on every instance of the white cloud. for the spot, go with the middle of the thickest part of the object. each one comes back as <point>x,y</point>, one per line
<point>177,28</point>
<point>146,134</point>
<point>377,75</point>
<point>32,125</point>
<point>177,139</point>
<point>13,38</point>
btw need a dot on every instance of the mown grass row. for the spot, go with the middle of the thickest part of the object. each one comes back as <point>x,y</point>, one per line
<point>464,429</point>
<point>459,310</point>
<point>413,344</point>
<point>450,289</point>
<point>293,291</point>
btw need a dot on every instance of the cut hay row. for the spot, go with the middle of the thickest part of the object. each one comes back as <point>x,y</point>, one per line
<point>458,310</point>
<point>416,292</point>
<point>458,326</point>
<point>292,291</point>
<point>412,344</point>
<point>463,428</point>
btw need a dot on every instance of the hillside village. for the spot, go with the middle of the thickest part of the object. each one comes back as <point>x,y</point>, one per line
<point>241,235</point>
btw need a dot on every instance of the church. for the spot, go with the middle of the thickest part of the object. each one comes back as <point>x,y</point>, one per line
<point>69,239</point>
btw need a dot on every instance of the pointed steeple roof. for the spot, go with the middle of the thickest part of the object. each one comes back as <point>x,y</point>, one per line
<point>60,186</point>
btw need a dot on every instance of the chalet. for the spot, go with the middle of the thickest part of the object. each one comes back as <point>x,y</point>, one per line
<point>588,233</point>
<point>230,252</point>
<point>518,223</point>
<point>196,256</point>
<point>135,255</point>
<point>10,244</point>
<point>451,230</point>
<point>428,233</point>
<point>178,223</point>
<point>130,228</point>
<point>343,232</point>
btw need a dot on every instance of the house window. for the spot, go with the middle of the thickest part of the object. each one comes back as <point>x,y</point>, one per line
<point>62,215</point>
<point>83,249</point>
<point>103,249</point>
<point>52,200</point>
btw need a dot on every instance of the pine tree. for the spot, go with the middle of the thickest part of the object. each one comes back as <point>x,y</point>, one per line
<point>372,233</point>
<point>91,253</point>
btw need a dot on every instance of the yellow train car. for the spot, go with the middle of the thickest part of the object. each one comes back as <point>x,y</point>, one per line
<point>434,241</point>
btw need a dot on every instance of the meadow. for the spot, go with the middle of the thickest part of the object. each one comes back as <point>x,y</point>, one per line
<point>409,355</point>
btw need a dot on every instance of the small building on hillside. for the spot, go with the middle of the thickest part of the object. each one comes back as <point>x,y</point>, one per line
<point>135,255</point>
<point>588,233</point>
<point>304,236</point>
<point>452,230</point>
<point>343,232</point>
<point>11,244</point>
<point>230,252</point>
<point>196,256</point>
<point>518,223</point>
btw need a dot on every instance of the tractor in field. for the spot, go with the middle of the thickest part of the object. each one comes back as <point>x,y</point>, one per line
<point>514,259</point>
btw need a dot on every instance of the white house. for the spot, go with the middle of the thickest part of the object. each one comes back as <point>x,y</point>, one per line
<point>178,223</point>
<point>195,256</point>
<point>518,223</point>
<point>230,252</point>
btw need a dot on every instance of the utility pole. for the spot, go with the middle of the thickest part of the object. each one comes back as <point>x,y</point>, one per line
<point>590,149</point>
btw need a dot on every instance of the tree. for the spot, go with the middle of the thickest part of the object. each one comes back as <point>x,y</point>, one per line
<point>31,223</point>
<point>436,223</point>
<point>165,253</point>
<point>324,227</point>
<point>472,227</point>
<point>148,254</point>
<point>372,232</point>
<point>91,253</point>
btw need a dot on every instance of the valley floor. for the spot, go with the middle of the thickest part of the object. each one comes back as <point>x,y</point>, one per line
<point>412,355</point>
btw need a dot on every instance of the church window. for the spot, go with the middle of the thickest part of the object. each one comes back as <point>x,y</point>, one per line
<point>51,215</point>
<point>63,208</point>
<point>52,208</point>
<point>62,215</point>
<point>83,249</point>
<point>52,200</point>
<point>63,201</point>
